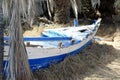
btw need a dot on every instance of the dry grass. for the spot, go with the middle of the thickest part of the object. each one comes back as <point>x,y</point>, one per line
<point>90,63</point>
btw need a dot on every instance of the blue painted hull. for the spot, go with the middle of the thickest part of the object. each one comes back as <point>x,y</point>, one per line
<point>45,62</point>
<point>41,63</point>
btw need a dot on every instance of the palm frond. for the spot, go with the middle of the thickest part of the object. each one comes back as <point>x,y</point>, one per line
<point>7,5</point>
<point>26,10</point>
<point>17,67</point>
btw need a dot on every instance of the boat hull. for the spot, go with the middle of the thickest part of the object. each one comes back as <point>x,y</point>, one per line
<point>38,60</point>
<point>43,57</point>
<point>39,63</point>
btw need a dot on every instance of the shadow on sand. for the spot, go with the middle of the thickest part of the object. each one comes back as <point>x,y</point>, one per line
<point>93,61</point>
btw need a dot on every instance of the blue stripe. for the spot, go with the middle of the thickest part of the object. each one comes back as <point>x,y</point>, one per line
<point>42,38</point>
<point>45,62</point>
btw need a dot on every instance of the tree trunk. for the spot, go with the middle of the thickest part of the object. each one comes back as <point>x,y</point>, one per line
<point>1,41</point>
<point>62,11</point>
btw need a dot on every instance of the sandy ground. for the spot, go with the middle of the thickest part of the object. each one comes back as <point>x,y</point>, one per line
<point>99,61</point>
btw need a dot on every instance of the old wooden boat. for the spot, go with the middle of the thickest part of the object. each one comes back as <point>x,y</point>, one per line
<point>56,44</point>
